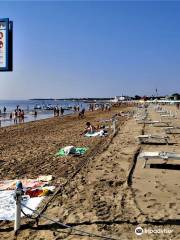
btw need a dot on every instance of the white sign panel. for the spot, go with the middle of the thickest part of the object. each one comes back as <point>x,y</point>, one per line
<point>3,46</point>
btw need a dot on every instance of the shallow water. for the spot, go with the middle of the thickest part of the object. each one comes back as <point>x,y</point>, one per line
<point>28,107</point>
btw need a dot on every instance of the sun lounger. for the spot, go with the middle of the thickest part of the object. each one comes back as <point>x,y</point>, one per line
<point>172,130</point>
<point>167,115</point>
<point>158,155</point>
<point>162,111</point>
<point>153,139</point>
<point>162,124</point>
<point>147,122</point>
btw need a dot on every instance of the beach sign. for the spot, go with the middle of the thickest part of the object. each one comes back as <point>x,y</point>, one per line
<point>6,28</point>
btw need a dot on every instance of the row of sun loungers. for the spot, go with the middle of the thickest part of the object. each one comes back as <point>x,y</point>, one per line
<point>158,139</point>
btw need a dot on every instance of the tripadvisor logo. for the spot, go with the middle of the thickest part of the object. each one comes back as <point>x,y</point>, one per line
<point>139,231</point>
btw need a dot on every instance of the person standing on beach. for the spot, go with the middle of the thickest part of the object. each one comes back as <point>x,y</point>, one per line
<point>15,116</point>
<point>75,108</point>
<point>10,116</point>
<point>55,111</point>
<point>35,115</point>
<point>19,115</point>
<point>4,110</point>
<point>62,111</point>
<point>22,116</point>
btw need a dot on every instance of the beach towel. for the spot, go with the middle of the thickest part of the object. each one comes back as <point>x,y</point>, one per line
<point>74,150</point>
<point>45,178</point>
<point>38,192</point>
<point>7,205</point>
<point>101,133</point>
<point>27,183</point>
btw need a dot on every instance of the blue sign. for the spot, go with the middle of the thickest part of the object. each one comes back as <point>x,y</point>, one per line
<point>6,45</point>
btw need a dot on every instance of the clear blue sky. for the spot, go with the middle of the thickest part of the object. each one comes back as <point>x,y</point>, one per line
<point>92,49</point>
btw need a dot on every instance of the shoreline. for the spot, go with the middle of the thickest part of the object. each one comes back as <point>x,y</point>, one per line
<point>30,118</point>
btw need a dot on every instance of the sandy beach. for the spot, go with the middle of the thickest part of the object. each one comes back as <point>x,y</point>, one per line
<point>111,195</point>
<point>89,120</point>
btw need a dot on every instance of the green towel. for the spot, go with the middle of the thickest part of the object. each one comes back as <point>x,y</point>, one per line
<point>60,152</point>
<point>75,151</point>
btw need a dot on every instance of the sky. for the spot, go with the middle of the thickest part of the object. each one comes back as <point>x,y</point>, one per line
<point>92,49</point>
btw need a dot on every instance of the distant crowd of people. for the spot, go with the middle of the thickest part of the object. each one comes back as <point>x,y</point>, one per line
<point>17,115</point>
<point>102,107</point>
<point>58,111</point>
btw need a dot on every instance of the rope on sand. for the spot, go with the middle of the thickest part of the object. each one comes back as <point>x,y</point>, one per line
<point>70,227</point>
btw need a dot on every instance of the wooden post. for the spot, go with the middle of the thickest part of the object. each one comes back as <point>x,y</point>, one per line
<point>18,197</point>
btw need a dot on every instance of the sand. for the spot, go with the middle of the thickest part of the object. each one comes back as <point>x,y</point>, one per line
<point>108,196</point>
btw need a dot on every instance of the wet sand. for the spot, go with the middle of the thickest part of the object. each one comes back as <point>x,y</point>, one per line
<point>105,197</point>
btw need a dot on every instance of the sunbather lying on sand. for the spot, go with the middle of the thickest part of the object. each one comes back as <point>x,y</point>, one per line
<point>89,129</point>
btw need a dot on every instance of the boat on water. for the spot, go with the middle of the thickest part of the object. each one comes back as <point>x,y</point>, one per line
<point>48,107</point>
<point>37,107</point>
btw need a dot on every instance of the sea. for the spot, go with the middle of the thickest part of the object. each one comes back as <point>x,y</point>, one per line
<point>29,105</point>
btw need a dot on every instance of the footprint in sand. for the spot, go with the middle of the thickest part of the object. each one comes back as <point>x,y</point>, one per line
<point>156,205</point>
<point>148,194</point>
<point>149,206</point>
<point>172,205</point>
